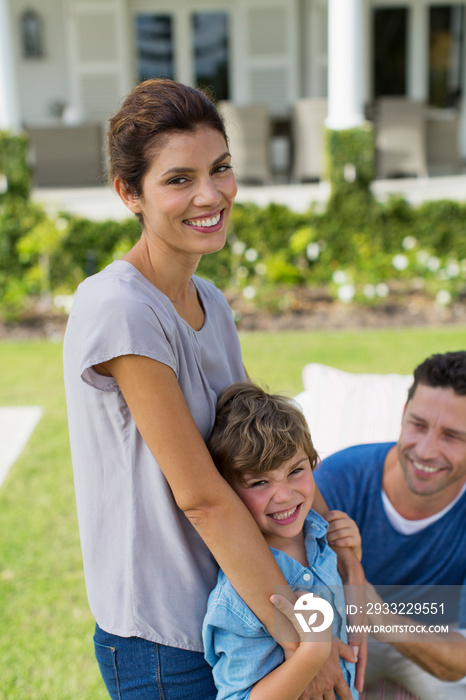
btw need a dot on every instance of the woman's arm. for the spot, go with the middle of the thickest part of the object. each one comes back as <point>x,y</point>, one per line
<point>289,680</point>
<point>162,416</point>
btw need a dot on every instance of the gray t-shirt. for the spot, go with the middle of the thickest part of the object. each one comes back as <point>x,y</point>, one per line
<point>148,573</point>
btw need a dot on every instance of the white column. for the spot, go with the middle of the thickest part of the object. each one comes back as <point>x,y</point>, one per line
<point>9,104</point>
<point>418,52</point>
<point>345,64</point>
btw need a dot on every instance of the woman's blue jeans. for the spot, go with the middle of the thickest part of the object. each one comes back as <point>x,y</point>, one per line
<point>136,669</point>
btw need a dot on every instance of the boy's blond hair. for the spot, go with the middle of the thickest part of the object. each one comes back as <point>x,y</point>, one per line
<point>255,432</point>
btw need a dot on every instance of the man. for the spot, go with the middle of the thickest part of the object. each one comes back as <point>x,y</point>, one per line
<point>409,502</point>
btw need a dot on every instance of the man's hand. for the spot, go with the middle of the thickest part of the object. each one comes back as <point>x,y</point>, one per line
<point>330,679</point>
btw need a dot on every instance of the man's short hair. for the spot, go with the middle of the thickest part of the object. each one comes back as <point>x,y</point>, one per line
<point>255,432</point>
<point>446,371</point>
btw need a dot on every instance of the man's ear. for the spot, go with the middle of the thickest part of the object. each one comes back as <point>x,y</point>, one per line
<point>129,199</point>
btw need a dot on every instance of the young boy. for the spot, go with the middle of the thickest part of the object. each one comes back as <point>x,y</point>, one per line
<point>262,447</point>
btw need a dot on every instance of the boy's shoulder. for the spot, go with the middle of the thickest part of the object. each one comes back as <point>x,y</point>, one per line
<point>225,608</point>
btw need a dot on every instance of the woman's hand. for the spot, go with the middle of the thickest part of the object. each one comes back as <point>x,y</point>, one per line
<point>289,680</point>
<point>327,681</point>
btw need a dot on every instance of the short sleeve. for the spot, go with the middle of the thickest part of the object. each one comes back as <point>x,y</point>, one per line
<point>239,651</point>
<point>121,323</point>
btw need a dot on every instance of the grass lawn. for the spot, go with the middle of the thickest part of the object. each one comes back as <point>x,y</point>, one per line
<point>46,648</point>
<point>277,359</point>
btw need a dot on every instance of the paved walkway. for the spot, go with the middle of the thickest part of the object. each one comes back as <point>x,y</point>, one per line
<point>16,427</point>
<point>99,203</point>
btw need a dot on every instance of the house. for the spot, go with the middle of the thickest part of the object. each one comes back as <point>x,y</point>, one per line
<point>65,64</point>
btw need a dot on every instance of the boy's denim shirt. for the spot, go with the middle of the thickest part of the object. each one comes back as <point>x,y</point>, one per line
<point>236,643</point>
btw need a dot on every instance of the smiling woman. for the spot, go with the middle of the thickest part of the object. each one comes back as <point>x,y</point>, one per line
<point>189,189</point>
<point>148,349</point>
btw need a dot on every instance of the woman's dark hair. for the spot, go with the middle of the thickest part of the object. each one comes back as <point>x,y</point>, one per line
<point>152,111</point>
<point>447,371</point>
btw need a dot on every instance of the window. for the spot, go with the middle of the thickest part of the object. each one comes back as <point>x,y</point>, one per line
<point>154,45</point>
<point>31,35</point>
<point>390,51</point>
<point>210,46</point>
<point>445,54</point>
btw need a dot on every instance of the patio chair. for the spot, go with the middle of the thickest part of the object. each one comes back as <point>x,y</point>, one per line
<point>249,132</point>
<point>308,131</point>
<point>346,408</point>
<point>400,132</point>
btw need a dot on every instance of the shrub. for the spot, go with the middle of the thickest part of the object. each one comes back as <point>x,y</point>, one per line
<point>350,165</point>
<point>354,252</point>
<point>15,171</point>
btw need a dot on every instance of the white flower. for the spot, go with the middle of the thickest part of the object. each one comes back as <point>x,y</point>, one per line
<point>251,255</point>
<point>369,291</point>
<point>400,262</point>
<point>313,251</point>
<point>249,292</point>
<point>409,242</point>
<point>242,272</point>
<point>61,224</point>
<point>443,297</point>
<point>261,269</point>
<point>238,247</point>
<point>433,263</point>
<point>382,290</point>
<point>339,277</point>
<point>453,269</point>
<point>346,293</point>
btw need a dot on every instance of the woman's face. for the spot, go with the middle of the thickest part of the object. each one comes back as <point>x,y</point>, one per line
<point>188,193</point>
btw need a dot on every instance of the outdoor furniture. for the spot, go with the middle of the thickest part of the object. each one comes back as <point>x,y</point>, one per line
<point>443,149</point>
<point>249,132</point>
<point>308,129</point>
<point>65,156</point>
<point>400,132</point>
<point>344,409</point>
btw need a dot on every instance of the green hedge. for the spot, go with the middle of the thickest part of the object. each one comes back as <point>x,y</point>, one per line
<point>354,250</point>
<point>350,163</point>
<point>15,170</point>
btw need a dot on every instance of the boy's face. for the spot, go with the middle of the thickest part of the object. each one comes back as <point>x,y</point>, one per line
<point>279,500</point>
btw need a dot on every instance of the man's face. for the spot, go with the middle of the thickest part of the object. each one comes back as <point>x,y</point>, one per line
<point>432,443</point>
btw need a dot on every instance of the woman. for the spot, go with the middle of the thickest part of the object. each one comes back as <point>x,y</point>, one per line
<point>148,348</point>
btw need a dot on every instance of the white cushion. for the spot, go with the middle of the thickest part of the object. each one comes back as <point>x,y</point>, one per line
<point>347,408</point>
